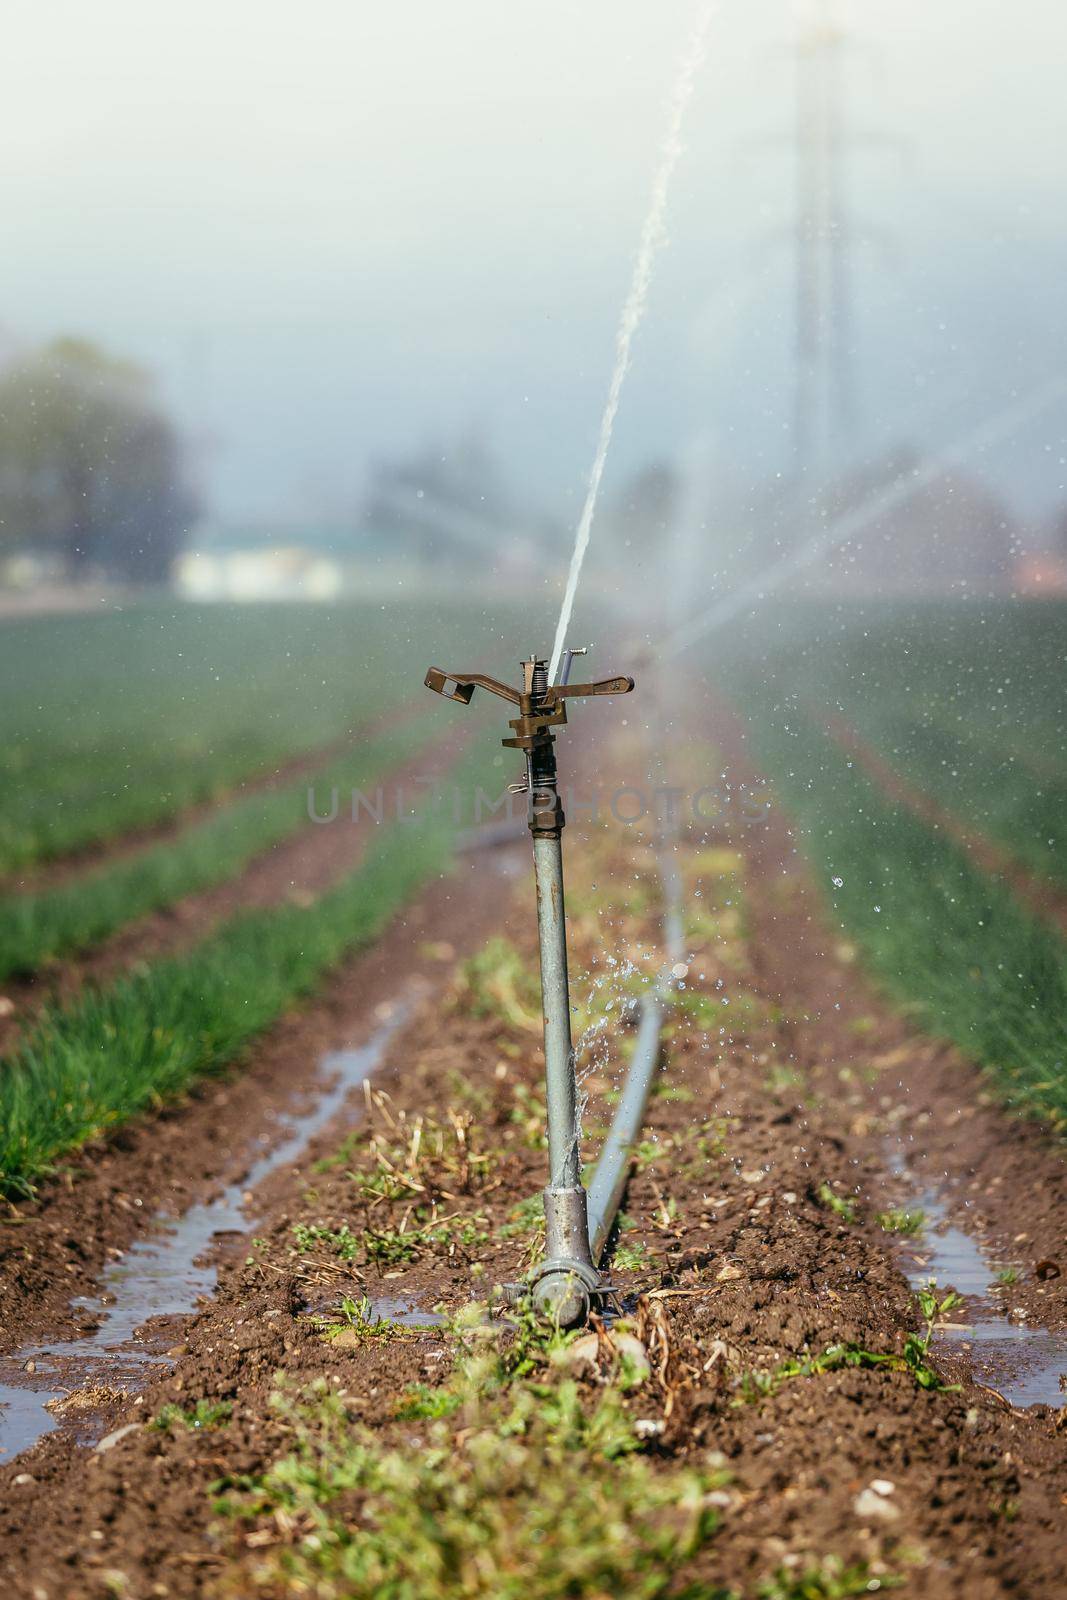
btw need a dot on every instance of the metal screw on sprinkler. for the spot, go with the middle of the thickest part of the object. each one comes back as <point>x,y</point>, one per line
<point>566,1280</point>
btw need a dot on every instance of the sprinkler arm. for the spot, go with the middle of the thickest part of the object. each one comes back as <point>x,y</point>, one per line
<point>461,686</point>
<point>569,691</point>
<point>540,708</point>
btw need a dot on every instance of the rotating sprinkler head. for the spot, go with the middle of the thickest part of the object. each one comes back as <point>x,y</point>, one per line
<point>564,1283</point>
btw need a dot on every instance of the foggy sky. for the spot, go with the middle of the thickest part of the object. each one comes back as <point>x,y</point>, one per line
<point>343,228</point>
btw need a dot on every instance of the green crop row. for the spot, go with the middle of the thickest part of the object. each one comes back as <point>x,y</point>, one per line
<point>951,944</point>
<point>115,722</point>
<point>95,1062</point>
<point>1000,796</point>
<point>35,928</point>
<point>967,701</point>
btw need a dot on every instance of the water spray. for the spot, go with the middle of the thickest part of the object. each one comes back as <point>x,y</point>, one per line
<point>564,1284</point>
<point>653,235</point>
<point>1002,424</point>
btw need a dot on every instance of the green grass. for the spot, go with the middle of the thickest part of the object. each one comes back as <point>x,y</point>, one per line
<point>966,701</point>
<point>205,1414</point>
<point>35,928</point>
<point>949,943</point>
<point>827,1579</point>
<point>899,1219</point>
<point>998,794</point>
<point>499,982</point>
<point>93,1063</point>
<point>536,1489</point>
<point>119,721</point>
<point>841,1205</point>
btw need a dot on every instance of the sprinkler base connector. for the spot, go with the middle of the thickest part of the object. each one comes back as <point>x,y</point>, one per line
<point>562,1292</point>
<point>564,1283</point>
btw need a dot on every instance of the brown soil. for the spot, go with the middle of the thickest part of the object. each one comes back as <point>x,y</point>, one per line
<point>1040,895</point>
<point>738,1259</point>
<point>300,868</point>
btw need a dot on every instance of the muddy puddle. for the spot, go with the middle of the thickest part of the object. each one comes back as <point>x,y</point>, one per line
<point>406,1313</point>
<point>1025,1364</point>
<point>163,1275</point>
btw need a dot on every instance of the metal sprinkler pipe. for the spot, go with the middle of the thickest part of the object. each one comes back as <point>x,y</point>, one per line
<point>613,1168</point>
<point>565,1280</point>
<point>567,1277</point>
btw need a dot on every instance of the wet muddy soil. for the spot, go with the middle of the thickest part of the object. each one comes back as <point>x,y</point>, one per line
<point>165,1274</point>
<point>110,1194</point>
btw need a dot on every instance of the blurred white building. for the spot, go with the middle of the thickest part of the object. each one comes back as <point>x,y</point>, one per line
<point>269,573</point>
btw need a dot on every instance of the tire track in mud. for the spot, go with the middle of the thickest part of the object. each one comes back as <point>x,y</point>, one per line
<point>740,1261</point>
<point>302,866</point>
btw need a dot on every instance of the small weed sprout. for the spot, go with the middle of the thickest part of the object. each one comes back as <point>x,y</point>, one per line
<point>336,1241</point>
<point>933,1306</point>
<point>527,1217</point>
<point>205,1414</point>
<point>649,1151</point>
<point>526,1223</point>
<point>900,1220</point>
<point>630,1257</point>
<point>529,1114</point>
<point>498,982</point>
<point>828,1579</point>
<point>781,1079</point>
<point>422,1403</point>
<point>839,1204</point>
<point>756,1386</point>
<point>357,1321</point>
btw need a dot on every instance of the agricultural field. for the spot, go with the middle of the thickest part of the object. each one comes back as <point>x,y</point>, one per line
<point>273,1129</point>
<point>115,724</point>
<point>533,783</point>
<point>233,967</point>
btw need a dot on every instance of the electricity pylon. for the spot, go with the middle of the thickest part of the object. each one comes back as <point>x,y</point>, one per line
<point>826,399</point>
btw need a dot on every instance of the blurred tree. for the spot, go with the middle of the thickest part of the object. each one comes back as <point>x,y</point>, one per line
<point>90,467</point>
